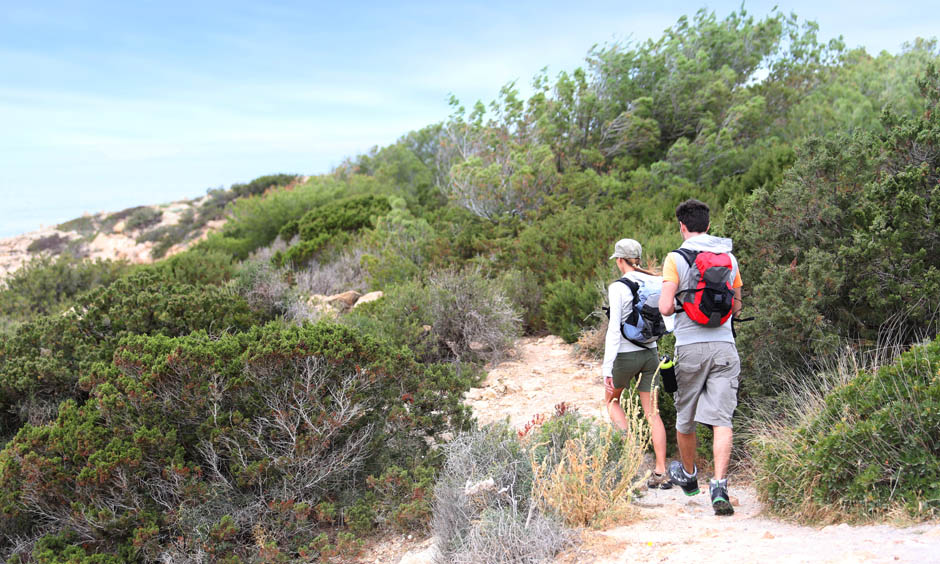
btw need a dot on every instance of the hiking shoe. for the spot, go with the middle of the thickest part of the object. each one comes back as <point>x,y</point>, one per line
<point>659,481</point>
<point>720,499</point>
<point>677,476</point>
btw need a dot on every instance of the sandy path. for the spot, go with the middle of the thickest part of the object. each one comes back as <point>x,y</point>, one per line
<point>671,527</point>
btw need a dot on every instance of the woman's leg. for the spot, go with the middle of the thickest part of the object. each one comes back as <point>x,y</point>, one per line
<point>657,428</point>
<point>617,416</point>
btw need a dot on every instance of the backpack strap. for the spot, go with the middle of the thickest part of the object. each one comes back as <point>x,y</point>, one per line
<point>689,255</point>
<point>634,313</point>
<point>635,288</point>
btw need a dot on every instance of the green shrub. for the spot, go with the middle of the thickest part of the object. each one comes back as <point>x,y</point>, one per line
<point>862,451</point>
<point>321,225</point>
<point>219,442</point>
<point>262,184</point>
<point>568,307</point>
<point>398,248</point>
<point>52,243</point>
<point>84,225</point>
<point>455,316</point>
<point>847,245</point>
<point>254,222</point>
<point>43,362</point>
<point>47,285</point>
<point>143,217</point>
<point>524,291</point>
<point>198,268</point>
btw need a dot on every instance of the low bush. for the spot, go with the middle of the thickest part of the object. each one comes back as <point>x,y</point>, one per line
<point>585,472</point>
<point>84,225</point>
<point>568,308</point>
<point>245,446</point>
<point>47,285</point>
<point>255,222</point>
<point>45,359</point>
<point>865,449</point>
<point>455,316</point>
<point>321,225</point>
<point>397,249</point>
<point>52,243</point>
<point>470,314</point>
<point>343,273</point>
<point>514,496</point>
<point>483,505</point>
<point>524,290</point>
<point>262,184</point>
<point>143,218</point>
<point>263,286</point>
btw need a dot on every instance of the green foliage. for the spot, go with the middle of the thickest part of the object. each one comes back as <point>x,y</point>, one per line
<point>47,285</point>
<point>143,217</point>
<point>847,244</point>
<point>568,307</point>
<point>43,362</point>
<point>83,225</point>
<point>323,224</point>
<point>198,268</point>
<point>397,249</point>
<point>402,497</point>
<point>858,90</point>
<point>689,74</point>
<point>261,426</point>
<point>869,449</point>
<point>255,221</point>
<point>454,316</point>
<point>52,243</point>
<point>262,184</point>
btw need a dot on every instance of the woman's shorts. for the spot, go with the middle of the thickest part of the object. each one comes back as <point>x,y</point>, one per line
<point>628,364</point>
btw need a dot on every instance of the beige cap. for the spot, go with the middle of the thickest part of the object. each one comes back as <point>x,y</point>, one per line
<point>627,248</point>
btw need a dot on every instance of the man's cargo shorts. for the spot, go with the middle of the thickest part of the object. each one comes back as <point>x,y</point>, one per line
<point>708,375</point>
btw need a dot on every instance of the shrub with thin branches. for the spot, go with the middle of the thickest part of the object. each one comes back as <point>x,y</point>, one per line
<point>471,314</point>
<point>483,509</point>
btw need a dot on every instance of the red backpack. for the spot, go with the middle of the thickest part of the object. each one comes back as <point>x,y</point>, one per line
<point>710,299</point>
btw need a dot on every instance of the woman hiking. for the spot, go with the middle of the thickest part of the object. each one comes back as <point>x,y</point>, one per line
<point>625,360</point>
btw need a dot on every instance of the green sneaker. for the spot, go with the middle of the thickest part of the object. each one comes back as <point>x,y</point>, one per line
<point>721,501</point>
<point>677,476</point>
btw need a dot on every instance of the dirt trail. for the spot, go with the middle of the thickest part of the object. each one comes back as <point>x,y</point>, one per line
<point>671,527</point>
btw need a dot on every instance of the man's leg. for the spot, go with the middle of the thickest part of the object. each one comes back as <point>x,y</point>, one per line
<point>721,450</point>
<point>687,446</point>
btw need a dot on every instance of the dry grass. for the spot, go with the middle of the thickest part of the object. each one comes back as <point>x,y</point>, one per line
<point>595,478</point>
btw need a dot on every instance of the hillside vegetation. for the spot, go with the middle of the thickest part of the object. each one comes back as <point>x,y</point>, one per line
<point>224,405</point>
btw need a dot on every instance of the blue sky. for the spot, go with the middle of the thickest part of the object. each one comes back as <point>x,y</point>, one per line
<point>105,105</point>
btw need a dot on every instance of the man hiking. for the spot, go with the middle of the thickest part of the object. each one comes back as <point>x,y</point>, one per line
<point>703,279</point>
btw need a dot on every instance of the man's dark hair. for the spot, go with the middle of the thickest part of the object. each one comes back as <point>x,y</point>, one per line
<point>694,214</point>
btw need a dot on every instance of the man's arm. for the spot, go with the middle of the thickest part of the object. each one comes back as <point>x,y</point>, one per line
<point>738,304</point>
<point>667,299</point>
